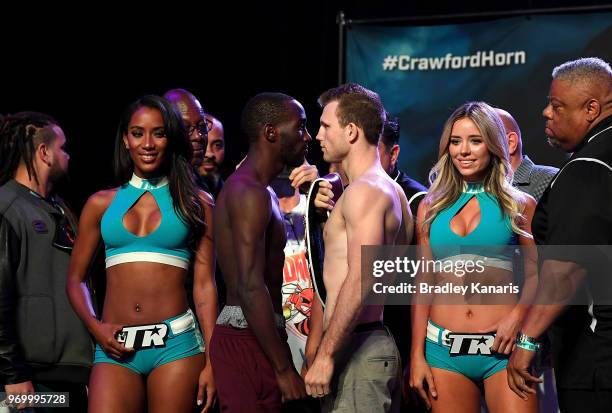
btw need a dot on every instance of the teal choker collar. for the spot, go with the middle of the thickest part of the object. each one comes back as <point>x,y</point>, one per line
<point>152,183</point>
<point>473,187</point>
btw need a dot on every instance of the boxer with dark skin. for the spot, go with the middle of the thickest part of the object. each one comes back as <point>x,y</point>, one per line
<point>250,237</point>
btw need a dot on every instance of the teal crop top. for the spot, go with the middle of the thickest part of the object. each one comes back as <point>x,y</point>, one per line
<point>492,238</point>
<point>167,244</point>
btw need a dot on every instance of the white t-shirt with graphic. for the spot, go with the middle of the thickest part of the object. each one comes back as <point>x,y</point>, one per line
<point>298,291</point>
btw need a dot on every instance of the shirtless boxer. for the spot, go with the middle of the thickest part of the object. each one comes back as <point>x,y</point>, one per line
<point>372,211</point>
<point>251,360</point>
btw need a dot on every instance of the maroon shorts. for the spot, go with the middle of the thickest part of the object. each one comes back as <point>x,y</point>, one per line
<point>245,380</point>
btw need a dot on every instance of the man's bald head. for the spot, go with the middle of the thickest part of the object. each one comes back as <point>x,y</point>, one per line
<point>192,113</point>
<point>216,124</point>
<point>215,151</point>
<point>513,133</point>
<point>184,101</point>
<point>509,122</point>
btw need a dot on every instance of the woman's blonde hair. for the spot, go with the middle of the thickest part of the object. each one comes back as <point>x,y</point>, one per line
<point>447,183</point>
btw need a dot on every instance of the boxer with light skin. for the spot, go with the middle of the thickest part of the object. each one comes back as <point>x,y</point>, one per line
<point>351,124</point>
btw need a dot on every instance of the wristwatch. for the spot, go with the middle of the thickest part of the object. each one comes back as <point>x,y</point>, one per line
<point>527,342</point>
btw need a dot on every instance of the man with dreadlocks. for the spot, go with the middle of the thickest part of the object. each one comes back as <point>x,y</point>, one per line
<point>43,345</point>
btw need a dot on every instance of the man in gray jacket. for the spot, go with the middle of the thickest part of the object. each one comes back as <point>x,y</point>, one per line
<point>43,345</point>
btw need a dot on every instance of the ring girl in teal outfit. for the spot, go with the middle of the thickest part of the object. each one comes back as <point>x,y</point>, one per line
<point>461,342</point>
<point>154,226</point>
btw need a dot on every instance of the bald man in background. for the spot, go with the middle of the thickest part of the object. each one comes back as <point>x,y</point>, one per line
<point>528,177</point>
<point>194,119</point>
<point>193,116</point>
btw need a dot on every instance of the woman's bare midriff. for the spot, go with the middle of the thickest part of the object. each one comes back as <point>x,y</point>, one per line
<point>144,292</point>
<point>469,317</point>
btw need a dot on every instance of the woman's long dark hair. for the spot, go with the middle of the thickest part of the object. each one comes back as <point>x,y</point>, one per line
<point>176,166</point>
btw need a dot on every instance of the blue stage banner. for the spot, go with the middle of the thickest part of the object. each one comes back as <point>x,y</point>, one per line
<point>423,73</point>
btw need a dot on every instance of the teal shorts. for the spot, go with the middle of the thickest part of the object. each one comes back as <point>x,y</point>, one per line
<point>186,343</point>
<point>475,367</point>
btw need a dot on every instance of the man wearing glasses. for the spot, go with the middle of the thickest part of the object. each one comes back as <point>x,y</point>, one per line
<point>198,127</point>
<point>193,116</point>
<point>43,345</point>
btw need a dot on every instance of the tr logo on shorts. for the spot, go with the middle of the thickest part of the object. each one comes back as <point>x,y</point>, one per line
<point>143,336</point>
<point>464,344</point>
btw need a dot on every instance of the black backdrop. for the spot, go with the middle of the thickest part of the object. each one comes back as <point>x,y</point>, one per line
<point>84,66</point>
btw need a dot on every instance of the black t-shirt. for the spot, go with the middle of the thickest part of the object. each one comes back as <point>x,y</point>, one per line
<point>576,210</point>
<point>397,317</point>
<point>411,188</point>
